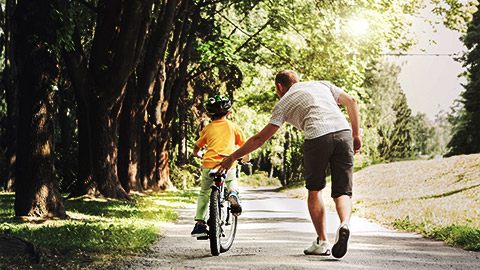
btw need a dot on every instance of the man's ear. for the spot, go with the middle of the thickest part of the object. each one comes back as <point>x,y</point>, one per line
<point>279,87</point>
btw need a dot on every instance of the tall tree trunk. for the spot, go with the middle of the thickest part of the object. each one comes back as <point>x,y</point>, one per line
<point>182,131</point>
<point>129,149</point>
<point>105,146</point>
<point>162,172</point>
<point>10,82</point>
<point>36,190</point>
<point>149,156</point>
<point>66,148</point>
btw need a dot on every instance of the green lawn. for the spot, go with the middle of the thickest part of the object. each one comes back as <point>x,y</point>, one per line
<point>97,231</point>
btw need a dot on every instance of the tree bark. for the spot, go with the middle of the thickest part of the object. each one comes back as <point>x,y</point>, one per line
<point>182,131</point>
<point>10,82</point>
<point>36,190</point>
<point>162,172</point>
<point>129,150</point>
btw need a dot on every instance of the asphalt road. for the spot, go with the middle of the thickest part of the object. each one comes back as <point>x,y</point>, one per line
<point>274,230</point>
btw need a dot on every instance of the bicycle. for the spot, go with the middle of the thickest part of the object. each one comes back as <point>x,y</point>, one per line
<point>222,223</point>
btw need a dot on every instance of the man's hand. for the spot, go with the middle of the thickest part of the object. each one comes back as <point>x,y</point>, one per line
<point>357,144</point>
<point>225,164</point>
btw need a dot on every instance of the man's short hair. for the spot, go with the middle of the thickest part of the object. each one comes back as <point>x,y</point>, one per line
<point>287,78</point>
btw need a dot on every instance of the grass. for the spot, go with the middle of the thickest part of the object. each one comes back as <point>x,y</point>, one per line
<point>97,232</point>
<point>258,180</point>
<point>438,198</point>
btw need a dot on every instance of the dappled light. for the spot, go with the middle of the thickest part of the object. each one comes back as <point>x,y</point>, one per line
<point>358,26</point>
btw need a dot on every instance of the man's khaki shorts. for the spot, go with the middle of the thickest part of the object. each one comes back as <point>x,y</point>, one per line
<point>335,149</point>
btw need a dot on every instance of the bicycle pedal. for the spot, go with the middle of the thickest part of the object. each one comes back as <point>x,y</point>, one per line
<point>202,238</point>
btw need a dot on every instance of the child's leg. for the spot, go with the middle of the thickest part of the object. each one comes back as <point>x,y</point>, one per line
<point>232,185</point>
<point>231,180</point>
<point>204,196</point>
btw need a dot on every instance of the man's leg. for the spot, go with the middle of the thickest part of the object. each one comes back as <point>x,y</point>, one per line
<point>343,204</point>
<point>317,213</point>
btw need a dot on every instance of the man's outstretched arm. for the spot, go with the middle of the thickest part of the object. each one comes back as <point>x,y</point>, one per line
<point>250,145</point>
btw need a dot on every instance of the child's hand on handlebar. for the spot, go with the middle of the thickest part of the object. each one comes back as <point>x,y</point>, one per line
<point>198,155</point>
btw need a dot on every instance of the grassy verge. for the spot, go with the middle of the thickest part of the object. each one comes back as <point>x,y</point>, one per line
<point>438,198</point>
<point>97,232</point>
<point>258,180</point>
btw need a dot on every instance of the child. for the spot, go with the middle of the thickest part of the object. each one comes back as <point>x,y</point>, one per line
<point>221,136</point>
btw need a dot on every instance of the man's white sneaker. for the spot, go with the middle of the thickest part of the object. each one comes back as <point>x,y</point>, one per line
<point>318,248</point>
<point>339,249</point>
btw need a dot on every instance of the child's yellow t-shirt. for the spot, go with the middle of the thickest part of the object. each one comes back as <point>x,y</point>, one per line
<point>220,136</point>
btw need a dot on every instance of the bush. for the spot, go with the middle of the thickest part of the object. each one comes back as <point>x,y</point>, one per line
<point>186,176</point>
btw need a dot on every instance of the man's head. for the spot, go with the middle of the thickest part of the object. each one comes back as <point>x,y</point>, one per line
<point>284,80</point>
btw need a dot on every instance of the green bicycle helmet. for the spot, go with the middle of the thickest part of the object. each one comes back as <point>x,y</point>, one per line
<point>218,105</point>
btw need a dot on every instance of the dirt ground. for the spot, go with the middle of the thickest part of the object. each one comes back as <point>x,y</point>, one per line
<point>274,230</point>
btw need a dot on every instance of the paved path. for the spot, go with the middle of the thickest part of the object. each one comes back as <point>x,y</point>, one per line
<point>273,231</point>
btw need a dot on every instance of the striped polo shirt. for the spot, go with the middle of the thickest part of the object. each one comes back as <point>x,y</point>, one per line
<point>312,107</point>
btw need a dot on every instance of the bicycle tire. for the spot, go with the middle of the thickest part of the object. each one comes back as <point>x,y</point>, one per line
<point>229,228</point>
<point>214,223</point>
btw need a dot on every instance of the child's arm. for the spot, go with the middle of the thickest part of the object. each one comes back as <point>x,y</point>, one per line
<point>196,152</point>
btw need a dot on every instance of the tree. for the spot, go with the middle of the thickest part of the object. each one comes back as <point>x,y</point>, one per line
<point>378,116</point>
<point>9,80</point>
<point>398,144</point>
<point>99,76</point>
<point>428,137</point>
<point>466,128</point>
<point>36,190</point>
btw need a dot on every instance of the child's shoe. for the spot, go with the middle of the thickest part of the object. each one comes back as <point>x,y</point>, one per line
<point>200,230</point>
<point>235,206</point>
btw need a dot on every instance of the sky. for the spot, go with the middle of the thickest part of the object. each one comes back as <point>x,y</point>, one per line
<point>431,82</point>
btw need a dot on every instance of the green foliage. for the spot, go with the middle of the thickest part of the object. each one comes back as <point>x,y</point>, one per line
<point>386,116</point>
<point>456,14</point>
<point>466,121</point>
<point>185,176</point>
<point>400,139</point>
<point>428,137</point>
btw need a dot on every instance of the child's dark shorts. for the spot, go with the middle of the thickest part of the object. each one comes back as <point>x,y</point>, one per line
<point>337,149</point>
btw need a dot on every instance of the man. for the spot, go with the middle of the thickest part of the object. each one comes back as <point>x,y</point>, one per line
<point>329,139</point>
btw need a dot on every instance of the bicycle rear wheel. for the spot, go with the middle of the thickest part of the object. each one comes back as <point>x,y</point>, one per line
<point>214,223</point>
